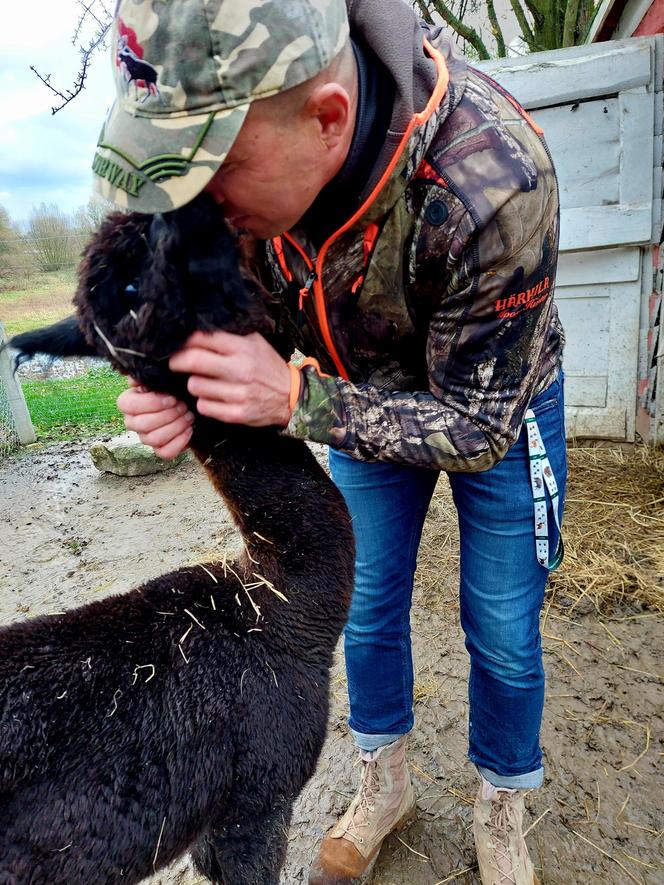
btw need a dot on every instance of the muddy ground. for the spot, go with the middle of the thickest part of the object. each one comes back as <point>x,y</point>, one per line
<point>69,535</point>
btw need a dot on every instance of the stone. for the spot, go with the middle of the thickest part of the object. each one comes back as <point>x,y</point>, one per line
<point>126,455</point>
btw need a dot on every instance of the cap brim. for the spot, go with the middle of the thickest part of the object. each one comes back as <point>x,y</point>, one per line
<point>148,164</point>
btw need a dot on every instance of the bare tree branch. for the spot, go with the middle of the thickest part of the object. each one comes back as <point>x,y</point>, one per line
<point>496,30</point>
<point>424,9</point>
<point>543,24</point>
<point>536,12</point>
<point>87,51</point>
<point>526,32</point>
<point>464,31</point>
<point>87,11</point>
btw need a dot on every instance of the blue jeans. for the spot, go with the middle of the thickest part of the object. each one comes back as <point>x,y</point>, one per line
<point>501,594</point>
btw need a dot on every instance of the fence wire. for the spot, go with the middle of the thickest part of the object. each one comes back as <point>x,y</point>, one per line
<point>9,441</point>
<point>67,399</point>
<point>73,398</point>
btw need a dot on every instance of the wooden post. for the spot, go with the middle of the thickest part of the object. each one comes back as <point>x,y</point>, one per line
<point>17,404</point>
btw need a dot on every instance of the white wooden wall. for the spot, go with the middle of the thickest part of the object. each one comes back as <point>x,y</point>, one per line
<point>601,110</point>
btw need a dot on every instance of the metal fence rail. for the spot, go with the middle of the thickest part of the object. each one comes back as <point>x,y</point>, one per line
<point>9,440</point>
<point>66,399</point>
<point>15,424</point>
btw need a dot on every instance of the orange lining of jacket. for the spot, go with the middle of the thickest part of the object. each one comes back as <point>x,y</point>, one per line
<point>370,237</point>
<point>319,295</point>
<point>278,244</point>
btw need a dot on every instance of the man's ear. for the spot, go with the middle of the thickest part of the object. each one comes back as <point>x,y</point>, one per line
<point>61,339</point>
<point>330,105</point>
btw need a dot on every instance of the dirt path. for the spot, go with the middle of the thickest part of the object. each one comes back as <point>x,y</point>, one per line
<point>69,535</point>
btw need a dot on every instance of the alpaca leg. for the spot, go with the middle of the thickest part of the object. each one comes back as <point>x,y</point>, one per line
<point>251,852</point>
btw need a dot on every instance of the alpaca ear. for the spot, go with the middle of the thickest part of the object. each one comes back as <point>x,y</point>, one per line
<point>61,339</point>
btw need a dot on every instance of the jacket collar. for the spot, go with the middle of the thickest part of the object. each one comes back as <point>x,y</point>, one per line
<point>429,78</point>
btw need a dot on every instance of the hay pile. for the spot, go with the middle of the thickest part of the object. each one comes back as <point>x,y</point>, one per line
<point>613,530</point>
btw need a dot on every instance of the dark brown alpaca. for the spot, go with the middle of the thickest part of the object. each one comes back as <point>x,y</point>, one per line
<point>189,713</point>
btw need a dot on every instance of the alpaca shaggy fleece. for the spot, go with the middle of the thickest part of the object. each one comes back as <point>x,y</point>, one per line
<point>189,713</point>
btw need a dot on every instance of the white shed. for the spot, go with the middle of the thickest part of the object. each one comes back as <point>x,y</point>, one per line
<point>601,109</point>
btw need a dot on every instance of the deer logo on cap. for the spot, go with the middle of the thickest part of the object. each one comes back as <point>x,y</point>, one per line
<point>134,69</point>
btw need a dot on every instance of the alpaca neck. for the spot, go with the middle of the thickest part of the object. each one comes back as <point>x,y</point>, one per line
<point>292,518</point>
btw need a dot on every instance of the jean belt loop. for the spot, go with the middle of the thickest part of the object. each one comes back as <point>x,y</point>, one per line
<point>543,481</point>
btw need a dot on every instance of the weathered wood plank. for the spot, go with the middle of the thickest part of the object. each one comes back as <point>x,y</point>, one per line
<point>584,140</point>
<point>591,227</point>
<point>624,350</point>
<point>657,187</point>
<point>658,79</point>
<point>600,16</point>
<point>585,390</point>
<point>648,284</point>
<point>659,111</point>
<point>602,341</point>
<point>637,124</point>
<point>587,326</point>
<point>596,423</point>
<point>576,269</point>
<point>544,79</point>
<point>630,17</point>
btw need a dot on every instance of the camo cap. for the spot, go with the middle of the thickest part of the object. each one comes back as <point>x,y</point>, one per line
<point>186,72</point>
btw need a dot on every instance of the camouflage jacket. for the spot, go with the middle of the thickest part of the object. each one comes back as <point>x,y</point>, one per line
<point>431,311</point>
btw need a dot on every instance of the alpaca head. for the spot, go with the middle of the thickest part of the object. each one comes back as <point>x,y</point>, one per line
<point>145,284</point>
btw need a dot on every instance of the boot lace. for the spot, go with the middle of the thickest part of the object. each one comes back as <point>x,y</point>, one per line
<point>369,788</point>
<point>500,823</point>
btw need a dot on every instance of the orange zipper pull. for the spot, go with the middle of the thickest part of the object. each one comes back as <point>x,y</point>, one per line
<point>304,291</point>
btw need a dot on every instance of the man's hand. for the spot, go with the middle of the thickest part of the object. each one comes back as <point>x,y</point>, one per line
<point>161,421</point>
<point>240,379</point>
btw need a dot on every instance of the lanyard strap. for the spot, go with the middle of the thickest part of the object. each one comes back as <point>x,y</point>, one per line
<point>542,481</point>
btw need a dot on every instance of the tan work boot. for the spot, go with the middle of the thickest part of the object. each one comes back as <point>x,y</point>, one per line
<point>498,828</point>
<point>385,803</point>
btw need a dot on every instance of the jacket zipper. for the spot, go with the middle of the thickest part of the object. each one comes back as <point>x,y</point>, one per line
<point>304,291</point>
<point>315,266</point>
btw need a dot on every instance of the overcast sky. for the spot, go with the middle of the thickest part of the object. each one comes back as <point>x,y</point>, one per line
<point>45,157</point>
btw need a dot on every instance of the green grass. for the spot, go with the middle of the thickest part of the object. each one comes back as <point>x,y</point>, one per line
<point>38,299</point>
<point>27,324</point>
<point>60,408</point>
<point>38,282</point>
<point>71,408</point>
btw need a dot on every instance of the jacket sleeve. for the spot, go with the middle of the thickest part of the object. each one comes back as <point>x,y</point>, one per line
<point>485,353</point>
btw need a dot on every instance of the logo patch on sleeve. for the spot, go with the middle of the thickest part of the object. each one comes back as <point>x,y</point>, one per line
<point>514,304</point>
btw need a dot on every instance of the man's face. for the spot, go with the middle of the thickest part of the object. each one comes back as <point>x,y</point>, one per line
<point>272,174</point>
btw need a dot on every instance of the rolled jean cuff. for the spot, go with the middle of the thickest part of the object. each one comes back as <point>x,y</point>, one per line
<point>370,742</point>
<point>513,782</point>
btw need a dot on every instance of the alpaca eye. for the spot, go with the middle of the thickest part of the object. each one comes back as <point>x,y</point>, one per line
<point>128,298</point>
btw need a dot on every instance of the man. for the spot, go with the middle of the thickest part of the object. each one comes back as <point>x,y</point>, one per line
<point>407,215</point>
